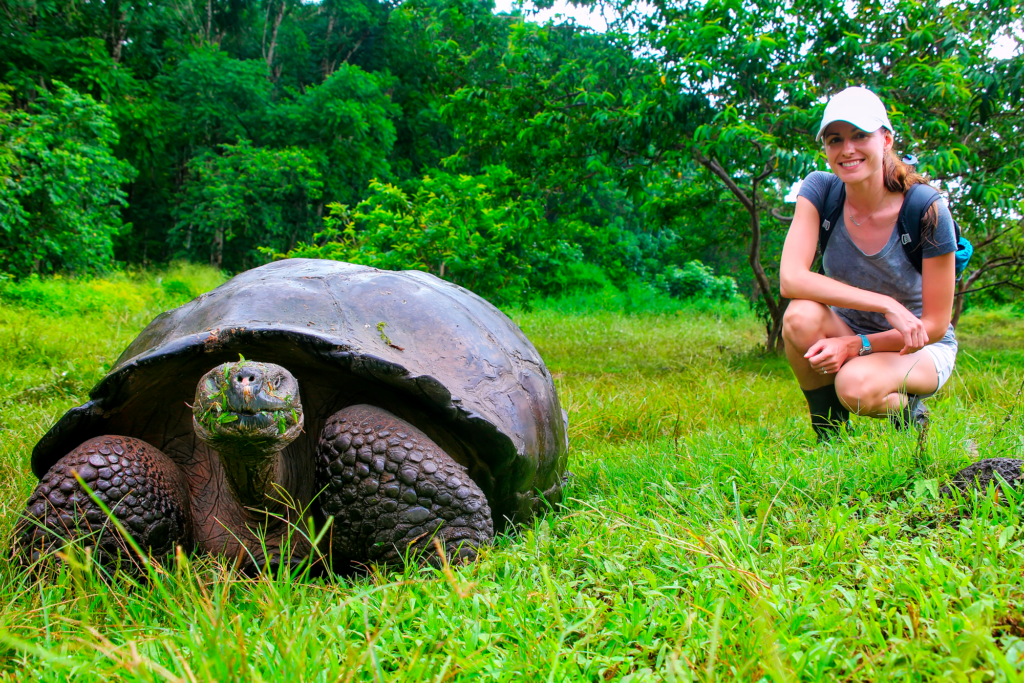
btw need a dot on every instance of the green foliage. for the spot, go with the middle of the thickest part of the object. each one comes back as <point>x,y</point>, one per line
<point>704,536</point>
<point>466,229</point>
<point>482,233</point>
<point>764,72</point>
<point>59,185</point>
<point>672,137</point>
<point>345,126</point>
<point>213,99</point>
<point>115,294</point>
<point>696,280</point>
<point>243,198</point>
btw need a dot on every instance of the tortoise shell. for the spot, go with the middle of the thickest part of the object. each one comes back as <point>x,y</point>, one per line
<point>431,352</point>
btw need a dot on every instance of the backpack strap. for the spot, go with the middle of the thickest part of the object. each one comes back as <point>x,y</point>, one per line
<point>916,200</point>
<point>830,213</point>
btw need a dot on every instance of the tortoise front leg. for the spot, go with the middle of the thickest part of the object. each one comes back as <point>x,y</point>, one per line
<point>392,490</point>
<point>141,486</point>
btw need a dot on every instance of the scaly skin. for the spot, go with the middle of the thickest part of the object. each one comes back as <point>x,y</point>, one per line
<point>249,412</point>
<point>392,491</point>
<point>982,474</point>
<point>144,490</point>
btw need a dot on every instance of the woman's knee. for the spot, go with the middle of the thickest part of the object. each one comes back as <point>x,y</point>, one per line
<point>860,389</point>
<point>804,322</point>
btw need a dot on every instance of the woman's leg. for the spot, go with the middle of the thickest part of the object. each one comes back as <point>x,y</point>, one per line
<point>804,324</point>
<point>877,385</point>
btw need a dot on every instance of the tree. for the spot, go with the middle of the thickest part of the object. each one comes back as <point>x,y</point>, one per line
<point>765,71</point>
<point>249,197</point>
<point>60,184</point>
<point>213,99</point>
<point>345,126</point>
<point>570,112</point>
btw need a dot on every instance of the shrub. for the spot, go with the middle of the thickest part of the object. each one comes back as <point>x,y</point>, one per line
<point>695,280</point>
<point>481,232</point>
<point>465,229</point>
<point>60,184</point>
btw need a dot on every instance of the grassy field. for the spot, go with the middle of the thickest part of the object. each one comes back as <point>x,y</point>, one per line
<point>705,536</point>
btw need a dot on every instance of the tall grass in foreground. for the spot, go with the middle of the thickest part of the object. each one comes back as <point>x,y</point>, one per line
<point>704,537</point>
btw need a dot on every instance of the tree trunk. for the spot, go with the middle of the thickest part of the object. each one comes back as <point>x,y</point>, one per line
<point>209,20</point>
<point>775,308</point>
<point>217,253</point>
<point>958,300</point>
<point>117,30</point>
<point>326,66</point>
<point>775,334</point>
<point>273,35</point>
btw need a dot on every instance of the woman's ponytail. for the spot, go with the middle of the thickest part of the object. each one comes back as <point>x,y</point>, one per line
<point>898,177</point>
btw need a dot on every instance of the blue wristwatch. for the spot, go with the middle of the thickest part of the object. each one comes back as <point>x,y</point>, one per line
<point>866,348</point>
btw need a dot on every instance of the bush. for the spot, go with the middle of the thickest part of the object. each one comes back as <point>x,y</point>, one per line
<point>695,280</point>
<point>466,229</point>
<point>60,185</point>
<point>482,233</point>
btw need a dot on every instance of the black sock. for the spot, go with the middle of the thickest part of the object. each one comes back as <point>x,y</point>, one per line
<point>828,414</point>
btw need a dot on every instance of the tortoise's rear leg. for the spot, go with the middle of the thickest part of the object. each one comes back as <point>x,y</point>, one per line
<point>392,490</point>
<point>141,486</point>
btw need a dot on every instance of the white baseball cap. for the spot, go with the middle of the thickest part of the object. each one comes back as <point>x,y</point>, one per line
<point>858,106</point>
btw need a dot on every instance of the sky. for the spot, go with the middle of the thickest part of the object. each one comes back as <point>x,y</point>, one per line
<point>583,16</point>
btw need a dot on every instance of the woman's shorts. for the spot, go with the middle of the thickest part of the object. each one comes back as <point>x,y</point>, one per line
<point>943,353</point>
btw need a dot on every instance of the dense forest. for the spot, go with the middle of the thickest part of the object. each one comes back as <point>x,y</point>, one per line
<point>513,158</point>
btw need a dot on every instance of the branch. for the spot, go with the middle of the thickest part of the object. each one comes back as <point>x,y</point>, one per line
<point>989,240</point>
<point>750,204</point>
<point>769,168</point>
<point>995,284</point>
<point>716,168</point>
<point>777,215</point>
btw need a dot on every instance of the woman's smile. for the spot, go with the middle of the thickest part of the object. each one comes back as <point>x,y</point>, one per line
<point>851,151</point>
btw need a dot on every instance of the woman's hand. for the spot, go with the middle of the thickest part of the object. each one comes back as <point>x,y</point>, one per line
<point>828,355</point>
<point>915,334</point>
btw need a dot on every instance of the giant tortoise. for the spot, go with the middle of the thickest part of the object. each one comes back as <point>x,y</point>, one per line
<point>404,409</point>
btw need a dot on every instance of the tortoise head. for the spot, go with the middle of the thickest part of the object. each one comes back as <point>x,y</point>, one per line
<point>247,406</point>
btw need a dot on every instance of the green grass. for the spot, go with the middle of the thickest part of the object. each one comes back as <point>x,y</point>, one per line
<point>704,536</point>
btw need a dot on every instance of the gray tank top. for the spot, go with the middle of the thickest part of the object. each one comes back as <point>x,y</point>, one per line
<point>888,272</point>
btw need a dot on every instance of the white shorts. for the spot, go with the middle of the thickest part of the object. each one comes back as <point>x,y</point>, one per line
<point>943,355</point>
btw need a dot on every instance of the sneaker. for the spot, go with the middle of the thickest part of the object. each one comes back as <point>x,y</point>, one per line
<point>915,414</point>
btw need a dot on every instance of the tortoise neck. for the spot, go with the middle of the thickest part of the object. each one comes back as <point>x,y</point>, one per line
<point>254,474</point>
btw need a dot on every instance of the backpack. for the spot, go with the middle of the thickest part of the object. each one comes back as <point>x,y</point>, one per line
<point>916,200</point>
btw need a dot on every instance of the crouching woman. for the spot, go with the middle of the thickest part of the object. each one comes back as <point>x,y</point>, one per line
<point>872,335</point>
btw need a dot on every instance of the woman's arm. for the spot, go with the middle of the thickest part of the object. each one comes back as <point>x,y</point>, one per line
<point>797,281</point>
<point>938,285</point>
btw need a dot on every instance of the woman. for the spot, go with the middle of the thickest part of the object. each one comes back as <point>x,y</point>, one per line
<point>872,334</point>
